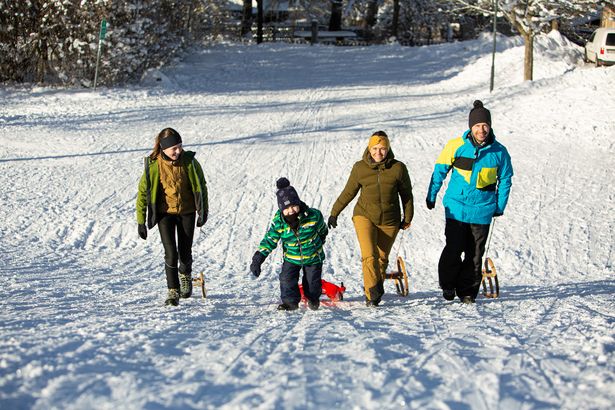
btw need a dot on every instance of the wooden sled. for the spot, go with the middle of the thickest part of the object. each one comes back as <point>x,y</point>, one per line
<point>400,277</point>
<point>491,286</point>
<point>200,281</point>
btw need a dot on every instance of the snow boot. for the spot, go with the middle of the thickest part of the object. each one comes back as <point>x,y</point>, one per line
<point>185,285</point>
<point>467,300</point>
<point>372,303</point>
<point>314,305</point>
<point>172,298</point>
<point>448,294</point>
<point>288,306</point>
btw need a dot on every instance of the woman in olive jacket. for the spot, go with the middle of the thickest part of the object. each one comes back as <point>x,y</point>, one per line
<point>173,194</point>
<point>377,217</point>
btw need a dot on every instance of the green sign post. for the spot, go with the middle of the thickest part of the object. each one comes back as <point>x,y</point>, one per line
<point>101,38</point>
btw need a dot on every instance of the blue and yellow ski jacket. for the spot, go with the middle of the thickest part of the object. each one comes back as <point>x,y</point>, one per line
<point>480,182</point>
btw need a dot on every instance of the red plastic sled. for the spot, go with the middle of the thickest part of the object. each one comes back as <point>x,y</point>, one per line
<point>333,291</point>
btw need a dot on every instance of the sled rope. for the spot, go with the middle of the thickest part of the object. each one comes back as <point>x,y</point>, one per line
<point>490,283</point>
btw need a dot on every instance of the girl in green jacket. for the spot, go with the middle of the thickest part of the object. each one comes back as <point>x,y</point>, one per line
<point>302,231</point>
<point>173,194</point>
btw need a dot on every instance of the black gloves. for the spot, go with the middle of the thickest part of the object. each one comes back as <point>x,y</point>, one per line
<point>332,222</point>
<point>496,214</point>
<point>430,204</point>
<point>142,229</point>
<point>200,222</point>
<point>257,261</point>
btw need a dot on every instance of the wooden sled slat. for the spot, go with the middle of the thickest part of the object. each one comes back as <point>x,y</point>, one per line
<point>490,283</point>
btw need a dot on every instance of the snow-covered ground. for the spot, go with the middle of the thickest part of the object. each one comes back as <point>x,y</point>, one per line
<point>81,304</point>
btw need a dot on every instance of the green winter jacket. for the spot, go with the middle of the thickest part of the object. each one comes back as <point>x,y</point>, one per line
<point>303,246</point>
<point>382,185</point>
<point>149,189</point>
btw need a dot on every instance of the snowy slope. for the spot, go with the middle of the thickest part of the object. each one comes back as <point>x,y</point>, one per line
<point>82,322</point>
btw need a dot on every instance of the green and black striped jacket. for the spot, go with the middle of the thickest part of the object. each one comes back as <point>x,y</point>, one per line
<point>303,246</point>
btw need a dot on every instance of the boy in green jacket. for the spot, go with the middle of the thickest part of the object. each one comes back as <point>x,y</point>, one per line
<point>303,233</point>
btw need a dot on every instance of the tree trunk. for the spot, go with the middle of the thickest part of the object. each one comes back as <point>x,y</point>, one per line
<point>41,66</point>
<point>370,15</point>
<point>395,23</point>
<point>259,22</point>
<point>529,58</point>
<point>246,18</point>
<point>335,21</point>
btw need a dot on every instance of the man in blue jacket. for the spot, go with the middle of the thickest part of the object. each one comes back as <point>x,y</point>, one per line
<point>477,191</point>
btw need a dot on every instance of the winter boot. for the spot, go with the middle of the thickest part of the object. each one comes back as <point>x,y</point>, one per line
<point>448,294</point>
<point>172,298</point>
<point>372,303</point>
<point>468,300</point>
<point>185,285</point>
<point>288,306</point>
<point>314,305</point>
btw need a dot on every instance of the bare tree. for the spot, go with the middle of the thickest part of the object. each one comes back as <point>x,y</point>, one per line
<point>530,17</point>
<point>335,21</point>
<point>246,18</point>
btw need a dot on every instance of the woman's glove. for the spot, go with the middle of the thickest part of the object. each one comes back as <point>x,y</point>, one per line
<point>200,222</point>
<point>142,229</point>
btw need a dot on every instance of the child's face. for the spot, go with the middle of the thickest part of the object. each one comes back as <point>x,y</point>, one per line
<point>291,210</point>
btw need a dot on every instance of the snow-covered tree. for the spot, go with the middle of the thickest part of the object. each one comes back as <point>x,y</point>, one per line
<point>413,21</point>
<point>530,17</point>
<point>56,40</point>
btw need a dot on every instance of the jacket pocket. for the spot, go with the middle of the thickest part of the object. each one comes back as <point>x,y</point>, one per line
<point>487,178</point>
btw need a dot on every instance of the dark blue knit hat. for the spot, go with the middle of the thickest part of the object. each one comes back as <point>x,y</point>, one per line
<point>286,194</point>
<point>479,114</point>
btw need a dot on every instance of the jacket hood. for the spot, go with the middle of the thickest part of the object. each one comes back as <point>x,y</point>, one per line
<point>367,158</point>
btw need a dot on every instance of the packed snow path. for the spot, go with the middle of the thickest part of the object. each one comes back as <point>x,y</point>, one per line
<point>82,322</point>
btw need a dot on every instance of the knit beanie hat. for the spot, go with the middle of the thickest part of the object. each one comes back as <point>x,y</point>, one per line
<point>379,137</point>
<point>286,194</point>
<point>479,114</point>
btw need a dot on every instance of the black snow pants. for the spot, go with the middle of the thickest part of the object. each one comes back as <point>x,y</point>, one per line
<point>180,251</point>
<point>462,275</point>
<point>289,282</point>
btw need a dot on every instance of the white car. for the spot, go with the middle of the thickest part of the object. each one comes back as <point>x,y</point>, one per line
<point>600,48</point>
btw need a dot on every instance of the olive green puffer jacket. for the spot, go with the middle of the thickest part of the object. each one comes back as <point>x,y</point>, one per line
<point>149,187</point>
<point>382,185</point>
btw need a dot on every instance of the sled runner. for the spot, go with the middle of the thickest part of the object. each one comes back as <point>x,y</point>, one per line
<point>200,281</point>
<point>400,277</point>
<point>491,286</point>
<point>332,291</point>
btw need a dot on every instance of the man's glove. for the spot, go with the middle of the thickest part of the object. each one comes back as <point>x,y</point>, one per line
<point>404,225</point>
<point>430,204</point>
<point>496,214</point>
<point>142,229</point>
<point>332,222</point>
<point>257,261</point>
<point>202,221</point>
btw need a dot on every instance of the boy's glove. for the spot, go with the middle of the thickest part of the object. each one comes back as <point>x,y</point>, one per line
<point>404,225</point>
<point>496,214</point>
<point>142,229</point>
<point>430,204</point>
<point>332,222</point>
<point>257,261</point>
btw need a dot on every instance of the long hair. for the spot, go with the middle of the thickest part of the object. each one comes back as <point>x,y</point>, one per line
<point>165,133</point>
